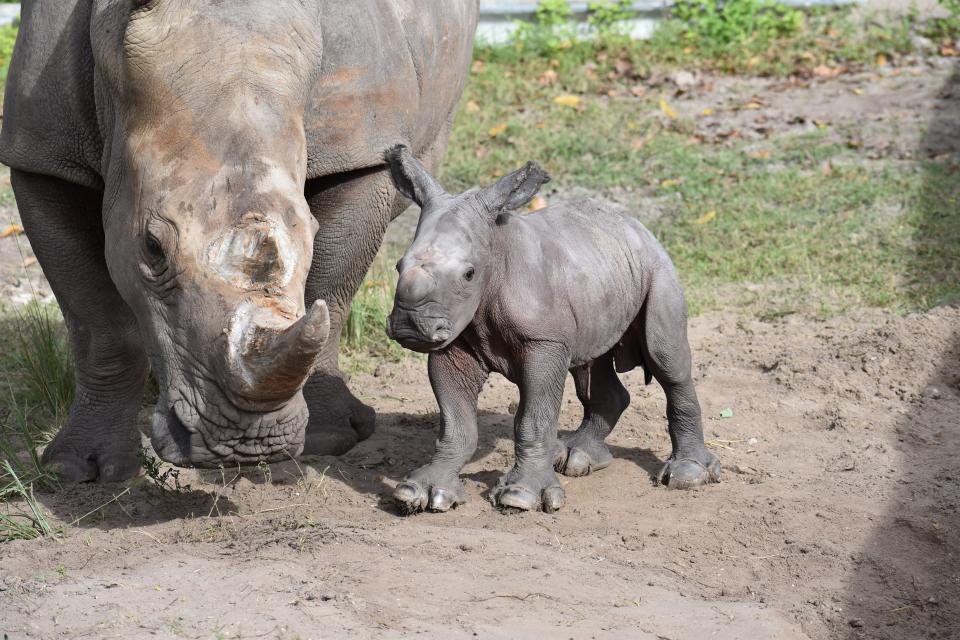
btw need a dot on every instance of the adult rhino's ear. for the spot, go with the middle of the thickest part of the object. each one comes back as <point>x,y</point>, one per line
<point>412,178</point>
<point>514,190</point>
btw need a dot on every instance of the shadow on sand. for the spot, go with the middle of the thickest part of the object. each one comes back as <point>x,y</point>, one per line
<point>404,442</point>
<point>906,580</point>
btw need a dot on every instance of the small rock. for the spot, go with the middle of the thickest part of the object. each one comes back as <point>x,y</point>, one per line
<point>856,623</point>
<point>683,79</point>
<point>326,597</point>
<point>742,469</point>
<point>380,371</point>
<point>512,407</point>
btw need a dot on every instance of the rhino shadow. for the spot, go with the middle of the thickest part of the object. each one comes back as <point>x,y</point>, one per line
<point>905,582</point>
<point>405,441</point>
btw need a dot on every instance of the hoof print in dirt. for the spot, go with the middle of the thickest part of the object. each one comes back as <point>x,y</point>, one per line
<point>688,473</point>
<point>481,290</point>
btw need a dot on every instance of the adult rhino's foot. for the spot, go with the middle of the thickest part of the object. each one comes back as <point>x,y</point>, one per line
<point>338,421</point>
<point>530,489</point>
<point>581,453</point>
<point>687,470</point>
<point>81,452</point>
<point>430,488</point>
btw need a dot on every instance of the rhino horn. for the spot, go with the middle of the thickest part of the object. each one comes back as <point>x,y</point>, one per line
<point>269,360</point>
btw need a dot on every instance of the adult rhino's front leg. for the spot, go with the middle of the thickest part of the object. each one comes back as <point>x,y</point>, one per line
<point>99,440</point>
<point>353,210</point>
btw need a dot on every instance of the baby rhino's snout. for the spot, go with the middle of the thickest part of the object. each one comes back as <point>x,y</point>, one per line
<point>414,322</point>
<point>414,286</point>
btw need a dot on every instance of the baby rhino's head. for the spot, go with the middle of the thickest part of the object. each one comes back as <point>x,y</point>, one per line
<point>445,270</point>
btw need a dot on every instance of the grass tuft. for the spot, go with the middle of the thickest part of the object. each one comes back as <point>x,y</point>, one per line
<point>41,362</point>
<point>19,523</point>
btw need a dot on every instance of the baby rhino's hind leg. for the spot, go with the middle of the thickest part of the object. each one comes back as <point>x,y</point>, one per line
<point>667,352</point>
<point>604,399</point>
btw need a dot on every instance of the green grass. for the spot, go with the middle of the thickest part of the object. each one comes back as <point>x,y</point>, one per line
<point>364,342</point>
<point>8,35</point>
<point>786,236</point>
<point>746,41</point>
<point>36,383</point>
<point>21,522</point>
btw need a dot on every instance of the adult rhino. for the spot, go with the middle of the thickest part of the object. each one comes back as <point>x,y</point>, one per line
<point>203,183</point>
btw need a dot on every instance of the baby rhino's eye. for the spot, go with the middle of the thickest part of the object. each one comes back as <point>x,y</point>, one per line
<point>468,274</point>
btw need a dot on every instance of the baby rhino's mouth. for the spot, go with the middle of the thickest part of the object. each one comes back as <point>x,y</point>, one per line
<point>417,332</point>
<point>185,437</point>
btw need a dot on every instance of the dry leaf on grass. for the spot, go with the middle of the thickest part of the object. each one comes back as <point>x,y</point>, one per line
<point>823,71</point>
<point>548,78</point>
<point>497,130</point>
<point>707,217</point>
<point>669,111</point>
<point>12,230</point>
<point>568,100</point>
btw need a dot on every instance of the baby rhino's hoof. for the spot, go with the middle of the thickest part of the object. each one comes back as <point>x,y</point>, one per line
<point>517,497</point>
<point>539,490</point>
<point>412,496</point>
<point>576,459</point>
<point>688,473</point>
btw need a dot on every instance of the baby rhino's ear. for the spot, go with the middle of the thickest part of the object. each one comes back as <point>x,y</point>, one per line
<point>514,190</point>
<point>412,178</point>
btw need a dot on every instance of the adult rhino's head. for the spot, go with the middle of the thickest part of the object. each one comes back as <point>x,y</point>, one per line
<point>449,265</point>
<point>208,236</point>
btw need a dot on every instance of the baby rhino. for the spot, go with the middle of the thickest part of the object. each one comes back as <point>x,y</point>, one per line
<point>573,287</point>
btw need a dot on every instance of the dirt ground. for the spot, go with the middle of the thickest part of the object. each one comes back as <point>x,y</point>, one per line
<point>838,515</point>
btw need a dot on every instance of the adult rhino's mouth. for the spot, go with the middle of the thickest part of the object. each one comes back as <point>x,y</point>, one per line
<point>186,437</point>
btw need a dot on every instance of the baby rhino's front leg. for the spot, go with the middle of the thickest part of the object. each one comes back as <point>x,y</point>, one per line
<point>532,483</point>
<point>456,378</point>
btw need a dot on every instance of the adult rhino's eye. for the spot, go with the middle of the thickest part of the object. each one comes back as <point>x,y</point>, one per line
<point>468,274</point>
<point>152,247</point>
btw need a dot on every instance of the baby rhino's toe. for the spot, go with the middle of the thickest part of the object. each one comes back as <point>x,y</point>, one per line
<point>533,492</point>
<point>690,472</point>
<point>424,490</point>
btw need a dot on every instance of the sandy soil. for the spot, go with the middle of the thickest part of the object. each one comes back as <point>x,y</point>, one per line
<point>837,516</point>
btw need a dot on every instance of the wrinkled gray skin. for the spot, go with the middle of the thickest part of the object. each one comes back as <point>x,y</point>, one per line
<point>204,186</point>
<point>573,287</point>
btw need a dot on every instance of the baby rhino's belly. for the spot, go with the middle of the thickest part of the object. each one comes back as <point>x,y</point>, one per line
<point>603,316</point>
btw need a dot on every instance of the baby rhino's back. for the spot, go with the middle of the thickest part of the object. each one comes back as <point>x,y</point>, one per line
<point>599,263</point>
